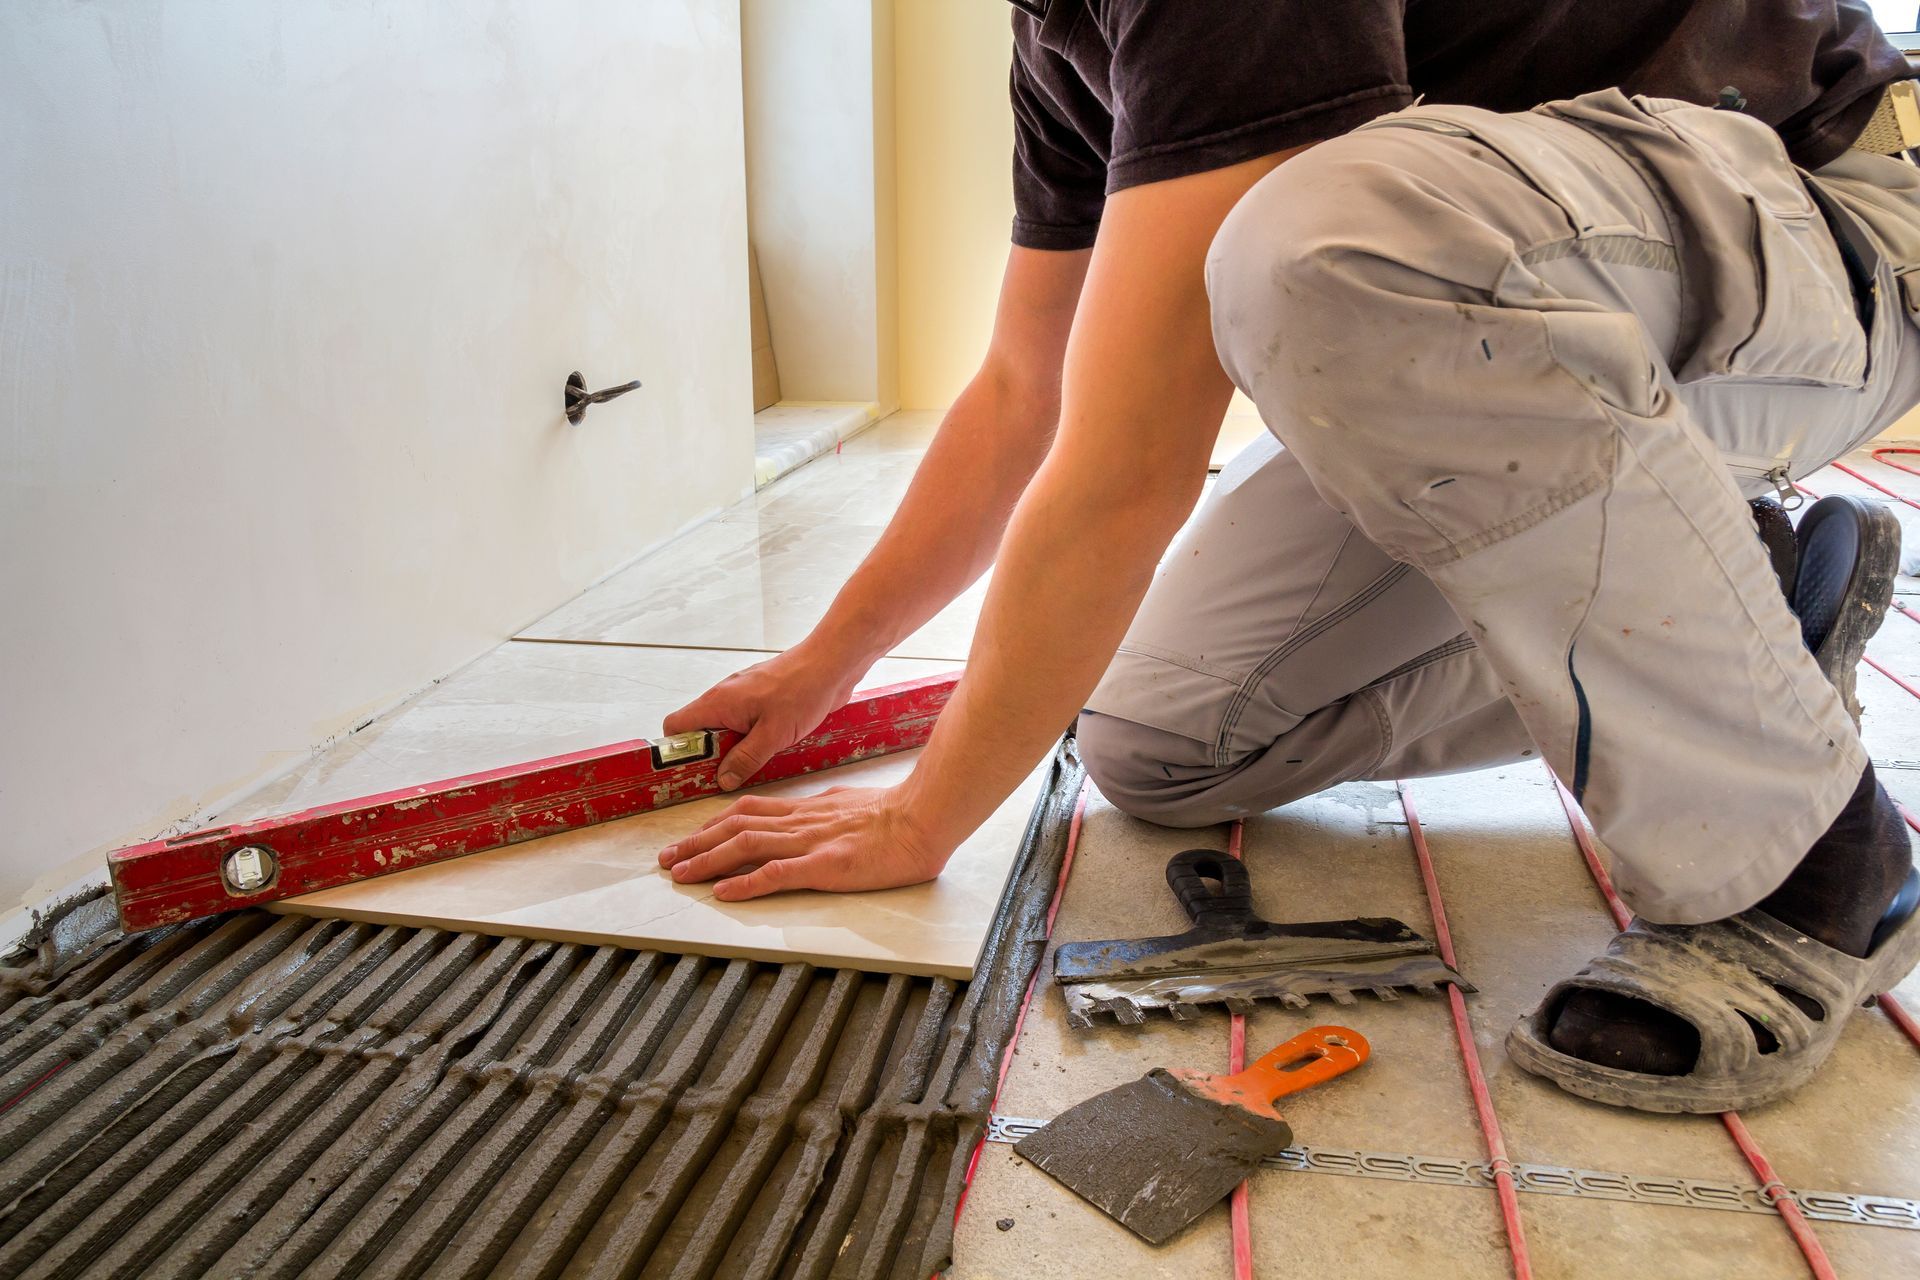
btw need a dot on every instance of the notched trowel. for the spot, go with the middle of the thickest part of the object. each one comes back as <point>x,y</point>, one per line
<point>1233,957</point>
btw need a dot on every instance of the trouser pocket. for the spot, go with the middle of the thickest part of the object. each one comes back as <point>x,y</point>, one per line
<point>1783,308</point>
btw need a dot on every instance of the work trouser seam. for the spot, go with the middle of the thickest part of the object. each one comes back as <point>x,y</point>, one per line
<point>1376,702</point>
<point>1614,248</point>
<point>1487,537</point>
<point>1243,696</point>
<point>1439,653</point>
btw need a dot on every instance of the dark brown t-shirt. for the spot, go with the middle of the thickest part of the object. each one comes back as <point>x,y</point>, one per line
<point>1109,94</point>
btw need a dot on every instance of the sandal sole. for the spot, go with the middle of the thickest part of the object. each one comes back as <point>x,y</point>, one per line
<point>1896,957</point>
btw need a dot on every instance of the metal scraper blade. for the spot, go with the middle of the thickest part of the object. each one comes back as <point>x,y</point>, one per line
<point>1232,957</point>
<point>1180,995</point>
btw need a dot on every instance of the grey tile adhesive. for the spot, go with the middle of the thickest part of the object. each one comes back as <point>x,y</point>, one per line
<point>259,1095</point>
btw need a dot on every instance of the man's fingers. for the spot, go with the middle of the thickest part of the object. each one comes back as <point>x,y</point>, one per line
<point>712,836</point>
<point>738,851</point>
<point>708,711</point>
<point>808,871</point>
<point>753,751</point>
<point>753,807</point>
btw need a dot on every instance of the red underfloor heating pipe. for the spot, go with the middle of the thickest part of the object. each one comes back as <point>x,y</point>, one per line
<point>1497,1159</point>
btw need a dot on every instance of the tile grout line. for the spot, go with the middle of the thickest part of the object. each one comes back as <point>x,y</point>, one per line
<point>1502,1168</point>
<point>704,648</point>
<point>1771,1188</point>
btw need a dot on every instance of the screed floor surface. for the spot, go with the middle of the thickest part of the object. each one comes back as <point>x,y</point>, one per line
<point>1522,905</point>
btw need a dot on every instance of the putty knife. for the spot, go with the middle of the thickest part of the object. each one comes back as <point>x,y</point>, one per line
<point>1157,1153</point>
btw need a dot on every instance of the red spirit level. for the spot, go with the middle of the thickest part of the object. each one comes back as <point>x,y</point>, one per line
<point>223,868</point>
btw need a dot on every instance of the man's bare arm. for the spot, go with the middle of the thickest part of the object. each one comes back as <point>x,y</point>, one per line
<point>1143,397</point>
<point>940,540</point>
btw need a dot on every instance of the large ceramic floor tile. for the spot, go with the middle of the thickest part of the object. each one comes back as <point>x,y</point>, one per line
<point>1408,1097</point>
<point>1525,914</point>
<point>603,884</point>
<point>745,583</point>
<point>1605,1239</point>
<point>909,431</point>
<point>846,488</point>
<point>1117,889</point>
<point>521,702</point>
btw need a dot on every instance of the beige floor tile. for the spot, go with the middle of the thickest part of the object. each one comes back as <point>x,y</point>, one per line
<point>1054,1235</point>
<point>603,884</point>
<point>521,702</point>
<point>1604,1240</point>
<point>845,488</point>
<point>1525,914</point>
<point>909,431</point>
<point>746,583</point>
<point>1117,889</point>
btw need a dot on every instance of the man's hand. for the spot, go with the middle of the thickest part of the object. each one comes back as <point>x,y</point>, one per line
<point>941,539</point>
<point>842,840</point>
<point>1141,404</point>
<point>774,703</point>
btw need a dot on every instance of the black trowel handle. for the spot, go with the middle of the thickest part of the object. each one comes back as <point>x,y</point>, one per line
<point>1213,887</point>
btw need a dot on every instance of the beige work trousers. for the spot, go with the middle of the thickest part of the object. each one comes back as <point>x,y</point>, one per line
<point>1522,373</point>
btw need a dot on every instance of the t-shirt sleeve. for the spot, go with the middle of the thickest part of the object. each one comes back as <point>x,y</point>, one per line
<point>1203,84</point>
<point>1059,179</point>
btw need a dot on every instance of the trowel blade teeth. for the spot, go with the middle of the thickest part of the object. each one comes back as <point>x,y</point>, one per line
<point>1341,995</point>
<point>1426,989</point>
<point>1183,1012</point>
<point>1384,993</point>
<point>1127,1012</point>
<point>1239,1006</point>
<point>1293,1001</point>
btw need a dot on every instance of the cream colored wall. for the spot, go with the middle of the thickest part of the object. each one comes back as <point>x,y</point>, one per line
<point>954,150</point>
<point>819,192</point>
<point>953,153</point>
<point>287,297</point>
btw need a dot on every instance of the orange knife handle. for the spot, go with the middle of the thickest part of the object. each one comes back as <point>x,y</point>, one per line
<point>1310,1058</point>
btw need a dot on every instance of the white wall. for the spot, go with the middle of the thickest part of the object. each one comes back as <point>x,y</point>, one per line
<point>287,296</point>
<point>818,120</point>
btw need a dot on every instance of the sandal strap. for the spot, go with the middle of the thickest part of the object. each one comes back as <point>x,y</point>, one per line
<point>1711,974</point>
